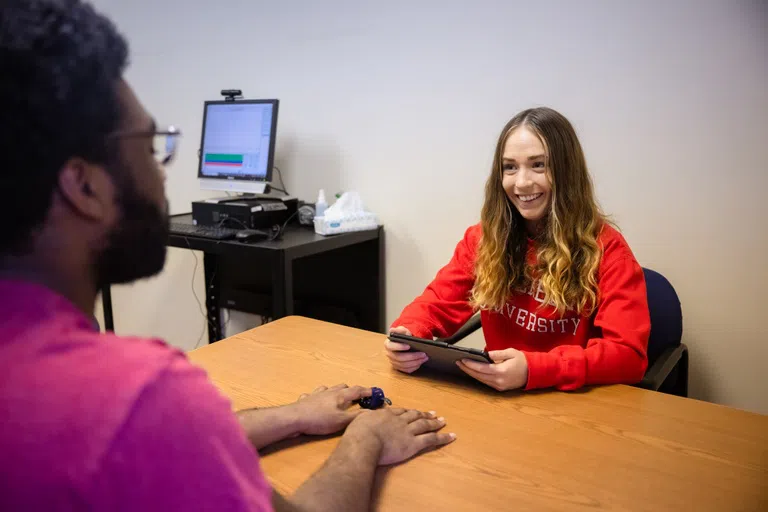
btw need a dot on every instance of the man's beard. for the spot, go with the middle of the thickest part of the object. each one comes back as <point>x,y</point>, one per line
<point>136,246</point>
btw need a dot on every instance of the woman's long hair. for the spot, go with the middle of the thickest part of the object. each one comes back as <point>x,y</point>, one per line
<point>568,254</point>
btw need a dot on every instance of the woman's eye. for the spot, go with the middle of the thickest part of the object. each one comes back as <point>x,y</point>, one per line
<point>538,165</point>
<point>509,168</point>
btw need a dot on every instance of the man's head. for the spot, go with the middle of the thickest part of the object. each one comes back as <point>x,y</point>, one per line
<point>77,167</point>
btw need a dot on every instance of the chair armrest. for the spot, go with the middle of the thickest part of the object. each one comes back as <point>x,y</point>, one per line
<point>657,374</point>
<point>465,330</point>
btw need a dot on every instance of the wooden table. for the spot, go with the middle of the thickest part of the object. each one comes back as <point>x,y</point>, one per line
<point>612,448</point>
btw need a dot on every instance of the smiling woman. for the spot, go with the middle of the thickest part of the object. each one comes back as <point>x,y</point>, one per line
<point>562,298</point>
<point>537,154</point>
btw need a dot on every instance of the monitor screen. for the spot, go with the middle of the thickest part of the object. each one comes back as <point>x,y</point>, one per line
<point>238,140</point>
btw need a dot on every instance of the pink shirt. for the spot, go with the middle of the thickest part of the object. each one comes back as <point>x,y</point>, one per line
<point>101,422</point>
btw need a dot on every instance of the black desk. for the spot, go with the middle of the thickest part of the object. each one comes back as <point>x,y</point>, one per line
<point>338,278</point>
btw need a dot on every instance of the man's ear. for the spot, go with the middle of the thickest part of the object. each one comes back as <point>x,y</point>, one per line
<point>88,189</point>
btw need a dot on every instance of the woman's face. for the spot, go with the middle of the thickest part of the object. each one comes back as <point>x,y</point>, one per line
<point>525,176</point>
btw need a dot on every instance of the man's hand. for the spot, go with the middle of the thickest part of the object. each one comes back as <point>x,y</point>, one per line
<point>399,433</point>
<point>509,370</point>
<point>326,410</point>
<point>400,359</point>
<point>384,436</point>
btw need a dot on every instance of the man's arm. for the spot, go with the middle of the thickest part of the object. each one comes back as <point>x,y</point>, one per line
<point>343,483</point>
<point>324,411</point>
<point>376,438</point>
<point>269,425</point>
<point>181,430</point>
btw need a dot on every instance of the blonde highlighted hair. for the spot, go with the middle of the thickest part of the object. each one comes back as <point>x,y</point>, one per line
<point>568,254</point>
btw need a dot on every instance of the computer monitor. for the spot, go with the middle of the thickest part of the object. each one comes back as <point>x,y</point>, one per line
<point>238,145</point>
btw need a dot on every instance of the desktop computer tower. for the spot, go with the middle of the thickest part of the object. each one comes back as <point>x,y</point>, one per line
<point>242,213</point>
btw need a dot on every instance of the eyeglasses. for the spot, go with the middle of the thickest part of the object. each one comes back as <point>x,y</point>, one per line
<point>164,142</point>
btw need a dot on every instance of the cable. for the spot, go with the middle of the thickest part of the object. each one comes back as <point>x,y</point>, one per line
<point>222,221</point>
<point>281,229</point>
<point>194,294</point>
<point>284,190</point>
<point>226,323</point>
<point>276,230</point>
<point>199,305</point>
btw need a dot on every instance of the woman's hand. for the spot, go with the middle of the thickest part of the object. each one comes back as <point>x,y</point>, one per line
<point>400,359</point>
<point>509,370</point>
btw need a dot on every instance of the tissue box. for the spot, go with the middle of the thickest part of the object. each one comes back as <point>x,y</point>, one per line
<point>358,222</point>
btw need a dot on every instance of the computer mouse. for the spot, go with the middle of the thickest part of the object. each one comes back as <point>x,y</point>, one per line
<point>251,234</point>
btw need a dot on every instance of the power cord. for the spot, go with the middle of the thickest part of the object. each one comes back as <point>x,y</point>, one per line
<point>226,219</point>
<point>284,190</point>
<point>276,231</point>
<point>208,321</point>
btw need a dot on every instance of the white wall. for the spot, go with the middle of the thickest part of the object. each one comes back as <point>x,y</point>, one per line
<point>403,101</point>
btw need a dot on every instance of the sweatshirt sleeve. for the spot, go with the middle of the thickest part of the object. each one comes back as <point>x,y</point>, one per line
<point>619,355</point>
<point>444,306</point>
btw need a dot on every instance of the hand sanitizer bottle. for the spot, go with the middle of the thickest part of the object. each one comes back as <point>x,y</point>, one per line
<point>321,204</point>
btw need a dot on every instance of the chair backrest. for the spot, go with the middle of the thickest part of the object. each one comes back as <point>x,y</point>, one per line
<point>666,315</point>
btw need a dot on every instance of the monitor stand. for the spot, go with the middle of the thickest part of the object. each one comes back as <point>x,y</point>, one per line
<point>239,196</point>
<point>265,190</point>
<point>235,186</point>
<point>253,195</point>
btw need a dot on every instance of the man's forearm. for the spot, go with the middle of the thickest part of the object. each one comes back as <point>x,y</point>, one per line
<point>343,483</point>
<point>270,425</point>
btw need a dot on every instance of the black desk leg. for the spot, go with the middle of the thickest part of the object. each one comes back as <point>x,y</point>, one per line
<point>106,304</point>
<point>211,265</point>
<point>282,286</point>
<point>381,293</point>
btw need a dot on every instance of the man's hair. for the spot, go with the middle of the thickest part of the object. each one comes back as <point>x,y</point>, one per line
<point>60,65</point>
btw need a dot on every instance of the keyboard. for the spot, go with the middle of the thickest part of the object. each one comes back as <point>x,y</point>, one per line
<point>212,232</point>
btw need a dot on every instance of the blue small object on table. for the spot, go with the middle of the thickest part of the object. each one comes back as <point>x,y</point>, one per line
<point>376,400</point>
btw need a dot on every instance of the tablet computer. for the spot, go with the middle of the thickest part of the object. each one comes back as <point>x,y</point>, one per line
<point>442,356</point>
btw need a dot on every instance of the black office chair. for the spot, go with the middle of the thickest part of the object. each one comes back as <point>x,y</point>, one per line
<point>667,355</point>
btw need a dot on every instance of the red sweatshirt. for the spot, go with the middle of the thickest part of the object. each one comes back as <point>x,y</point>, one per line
<point>569,352</point>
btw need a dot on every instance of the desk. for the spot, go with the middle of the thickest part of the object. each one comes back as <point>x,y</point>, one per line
<point>338,277</point>
<point>612,448</point>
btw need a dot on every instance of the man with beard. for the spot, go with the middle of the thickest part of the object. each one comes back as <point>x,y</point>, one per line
<point>97,421</point>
